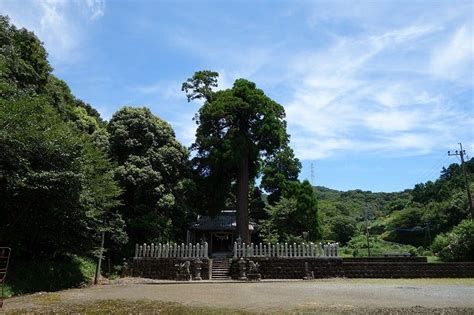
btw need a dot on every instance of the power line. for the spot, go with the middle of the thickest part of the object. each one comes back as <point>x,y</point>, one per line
<point>429,172</point>
<point>436,171</point>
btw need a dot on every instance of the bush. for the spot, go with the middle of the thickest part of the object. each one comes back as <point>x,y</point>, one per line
<point>342,228</point>
<point>358,247</point>
<point>48,275</point>
<point>457,245</point>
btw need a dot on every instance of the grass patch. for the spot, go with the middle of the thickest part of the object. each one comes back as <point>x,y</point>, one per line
<point>155,307</point>
<point>433,259</point>
<point>125,307</point>
<point>48,275</point>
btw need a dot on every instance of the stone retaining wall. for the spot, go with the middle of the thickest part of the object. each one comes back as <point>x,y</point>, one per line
<point>294,268</point>
<point>386,259</point>
<point>407,270</point>
<point>162,268</point>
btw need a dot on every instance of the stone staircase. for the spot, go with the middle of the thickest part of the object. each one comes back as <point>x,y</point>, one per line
<point>220,269</point>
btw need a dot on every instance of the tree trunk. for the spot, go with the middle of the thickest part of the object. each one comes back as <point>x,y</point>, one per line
<point>242,198</point>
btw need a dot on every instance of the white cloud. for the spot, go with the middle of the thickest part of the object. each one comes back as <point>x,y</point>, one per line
<point>60,24</point>
<point>348,99</point>
<point>97,8</point>
<point>165,90</point>
<point>388,121</point>
<point>454,60</point>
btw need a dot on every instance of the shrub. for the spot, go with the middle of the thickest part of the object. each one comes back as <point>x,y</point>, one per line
<point>457,245</point>
<point>48,275</point>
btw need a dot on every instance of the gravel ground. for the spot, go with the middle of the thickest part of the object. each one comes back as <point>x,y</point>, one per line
<point>386,296</point>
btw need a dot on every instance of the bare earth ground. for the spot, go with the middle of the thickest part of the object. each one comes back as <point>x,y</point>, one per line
<point>341,296</point>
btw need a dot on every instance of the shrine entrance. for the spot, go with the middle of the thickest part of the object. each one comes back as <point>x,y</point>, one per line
<point>219,231</point>
<point>221,242</point>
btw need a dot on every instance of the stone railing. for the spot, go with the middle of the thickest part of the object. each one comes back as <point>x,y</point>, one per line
<point>286,250</point>
<point>171,251</point>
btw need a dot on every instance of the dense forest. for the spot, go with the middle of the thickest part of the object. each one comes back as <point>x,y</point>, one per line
<point>67,176</point>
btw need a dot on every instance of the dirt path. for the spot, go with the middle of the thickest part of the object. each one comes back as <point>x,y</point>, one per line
<point>418,295</point>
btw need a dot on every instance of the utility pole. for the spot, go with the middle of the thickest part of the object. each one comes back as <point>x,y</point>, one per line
<point>461,153</point>
<point>312,174</point>
<point>367,229</point>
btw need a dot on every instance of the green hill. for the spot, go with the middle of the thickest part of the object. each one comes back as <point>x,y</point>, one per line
<point>397,221</point>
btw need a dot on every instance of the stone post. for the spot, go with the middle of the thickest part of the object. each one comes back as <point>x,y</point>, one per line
<point>309,275</point>
<point>241,263</point>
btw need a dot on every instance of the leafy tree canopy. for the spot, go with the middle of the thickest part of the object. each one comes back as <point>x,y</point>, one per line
<point>278,172</point>
<point>152,171</point>
<point>293,216</point>
<point>55,179</point>
<point>44,159</point>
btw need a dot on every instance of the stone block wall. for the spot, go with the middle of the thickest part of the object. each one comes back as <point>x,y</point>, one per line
<point>408,270</point>
<point>386,259</point>
<point>163,268</point>
<point>294,268</point>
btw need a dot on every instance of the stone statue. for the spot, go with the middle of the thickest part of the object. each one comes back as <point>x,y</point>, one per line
<point>254,274</point>
<point>182,271</point>
<point>253,267</point>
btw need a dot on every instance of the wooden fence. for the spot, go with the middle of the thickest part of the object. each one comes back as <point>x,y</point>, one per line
<point>286,250</point>
<point>171,250</point>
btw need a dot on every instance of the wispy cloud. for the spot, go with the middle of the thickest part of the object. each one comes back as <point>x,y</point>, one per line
<point>96,8</point>
<point>60,24</point>
<point>165,90</point>
<point>349,99</point>
<point>454,60</point>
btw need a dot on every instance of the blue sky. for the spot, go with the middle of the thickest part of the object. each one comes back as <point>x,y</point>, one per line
<point>376,92</point>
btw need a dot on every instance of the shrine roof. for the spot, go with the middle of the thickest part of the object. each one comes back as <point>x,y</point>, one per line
<point>224,221</point>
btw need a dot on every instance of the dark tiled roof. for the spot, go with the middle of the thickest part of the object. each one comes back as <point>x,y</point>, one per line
<point>224,221</point>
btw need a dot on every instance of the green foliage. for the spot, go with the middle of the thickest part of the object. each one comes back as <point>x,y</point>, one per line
<point>293,216</point>
<point>42,160</point>
<point>357,247</point>
<point>349,208</point>
<point>456,245</point>
<point>200,85</point>
<point>435,207</point>
<point>257,205</point>
<point>411,217</point>
<point>48,275</point>
<point>238,128</point>
<point>407,217</point>
<point>341,229</point>
<point>24,69</point>
<point>278,172</point>
<point>55,181</point>
<point>241,119</point>
<point>152,170</point>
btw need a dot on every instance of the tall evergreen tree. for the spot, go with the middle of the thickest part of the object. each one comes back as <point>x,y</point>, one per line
<point>237,129</point>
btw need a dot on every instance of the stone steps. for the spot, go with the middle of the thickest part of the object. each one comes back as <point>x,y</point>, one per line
<point>220,269</point>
